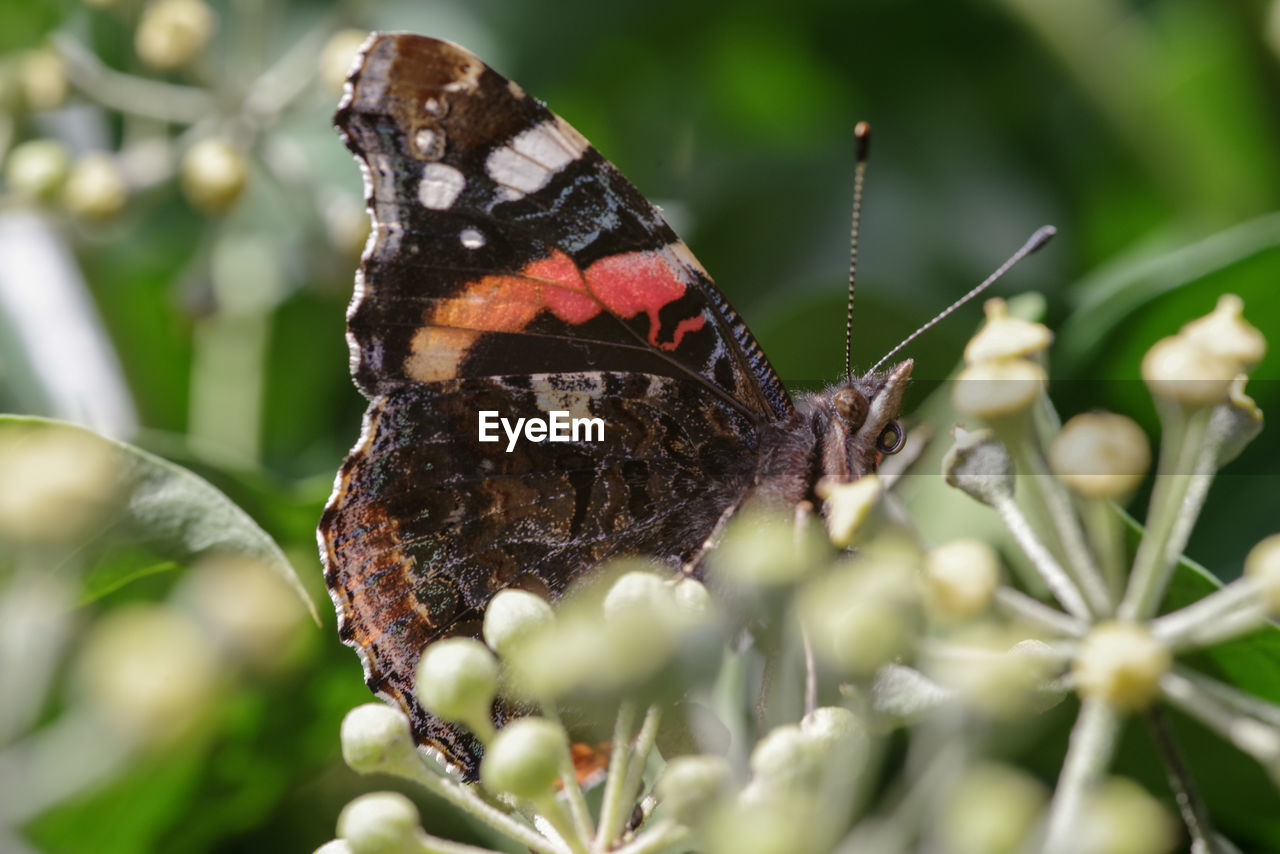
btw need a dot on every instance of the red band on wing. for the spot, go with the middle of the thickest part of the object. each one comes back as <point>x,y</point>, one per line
<point>636,282</point>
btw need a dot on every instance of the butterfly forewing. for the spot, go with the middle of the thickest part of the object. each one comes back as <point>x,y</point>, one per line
<point>513,270</point>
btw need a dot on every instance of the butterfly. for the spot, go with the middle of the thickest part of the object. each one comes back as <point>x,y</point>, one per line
<point>513,274</point>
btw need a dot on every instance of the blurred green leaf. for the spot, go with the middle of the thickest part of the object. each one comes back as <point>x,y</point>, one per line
<point>118,569</point>
<point>154,505</point>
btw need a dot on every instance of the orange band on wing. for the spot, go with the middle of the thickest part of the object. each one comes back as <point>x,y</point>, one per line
<point>626,285</point>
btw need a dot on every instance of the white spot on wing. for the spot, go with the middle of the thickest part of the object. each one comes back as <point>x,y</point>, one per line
<point>429,143</point>
<point>472,238</point>
<point>440,185</point>
<point>527,163</point>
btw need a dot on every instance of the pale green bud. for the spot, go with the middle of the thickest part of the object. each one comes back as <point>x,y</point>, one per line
<point>998,389</point>
<point>96,188</point>
<point>511,616</point>
<point>37,169</point>
<point>1262,566</point>
<point>214,174</point>
<point>1120,817</point>
<point>524,759</point>
<point>377,739</point>
<point>1100,455</point>
<point>337,55</point>
<point>1003,336</point>
<point>993,809</point>
<point>457,679</point>
<point>1122,664</point>
<point>690,786</point>
<point>979,465</point>
<point>380,823</point>
<point>173,33</point>
<point>961,579</point>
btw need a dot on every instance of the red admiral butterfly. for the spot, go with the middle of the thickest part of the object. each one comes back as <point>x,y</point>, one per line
<point>513,270</point>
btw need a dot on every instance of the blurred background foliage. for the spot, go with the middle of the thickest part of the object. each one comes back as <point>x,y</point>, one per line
<point>180,225</point>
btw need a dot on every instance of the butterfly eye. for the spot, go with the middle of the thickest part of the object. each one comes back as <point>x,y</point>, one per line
<point>852,407</point>
<point>891,439</point>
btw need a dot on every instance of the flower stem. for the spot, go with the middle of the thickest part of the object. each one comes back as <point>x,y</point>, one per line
<point>469,801</point>
<point>613,807</point>
<point>654,839</point>
<point>1106,535</point>
<point>1195,814</point>
<point>550,808</point>
<point>428,844</point>
<point>640,756</point>
<point>1089,752</point>
<point>578,809</point>
<point>1054,503</point>
<point>166,102</point>
<point>1176,498</point>
<point>1256,738</point>
<point>1057,579</point>
<point>1224,614</point>
<point>1018,604</point>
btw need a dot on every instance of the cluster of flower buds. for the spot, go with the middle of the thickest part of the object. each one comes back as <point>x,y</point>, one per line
<point>211,161</point>
<point>1107,642</point>
<point>848,646</point>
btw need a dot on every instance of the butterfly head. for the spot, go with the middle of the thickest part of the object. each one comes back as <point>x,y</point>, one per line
<point>857,421</point>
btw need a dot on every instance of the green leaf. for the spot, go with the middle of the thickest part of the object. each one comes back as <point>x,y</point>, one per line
<point>127,501</point>
<point>117,570</point>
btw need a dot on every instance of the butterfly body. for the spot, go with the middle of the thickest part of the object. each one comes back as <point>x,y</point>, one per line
<point>512,270</point>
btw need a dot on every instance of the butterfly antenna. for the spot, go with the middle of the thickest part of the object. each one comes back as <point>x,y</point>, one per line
<point>1035,241</point>
<point>862,137</point>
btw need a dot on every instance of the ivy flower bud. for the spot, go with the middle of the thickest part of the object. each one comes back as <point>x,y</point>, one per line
<point>998,671</point>
<point>691,786</point>
<point>1121,663</point>
<point>43,74</point>
<point>862,616</point>
<point>1100,455</point>
<point>638,594</point>
<point>840,735</point>
<point>333,846</point>
<point>1262,565</point>
<point>248,610</point>
<point>380,823</point>
<point>457,680</point>
<point>993,809</point>
<point>173,33</point>
<point>512,615</point>
<point>37,169</point>
<point>1006,337</point>
<point>766,550</point>
<point>376,739</point>
<point>214,174</point>
<point>847,505</point>
<point>96,188</point>
<point>60,483</point>
<point>692,598</point>
<point>337,55</point>
<point>961,579</point>
<point>1178,369</point>
<point>787,761</point>
<point>979,465</point>
<point>346,224</point>
<point>1120,817</point>
<point>1225,333</point>
<point>151,672</point>
<point>998,389</point>
<point>524,759</point>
